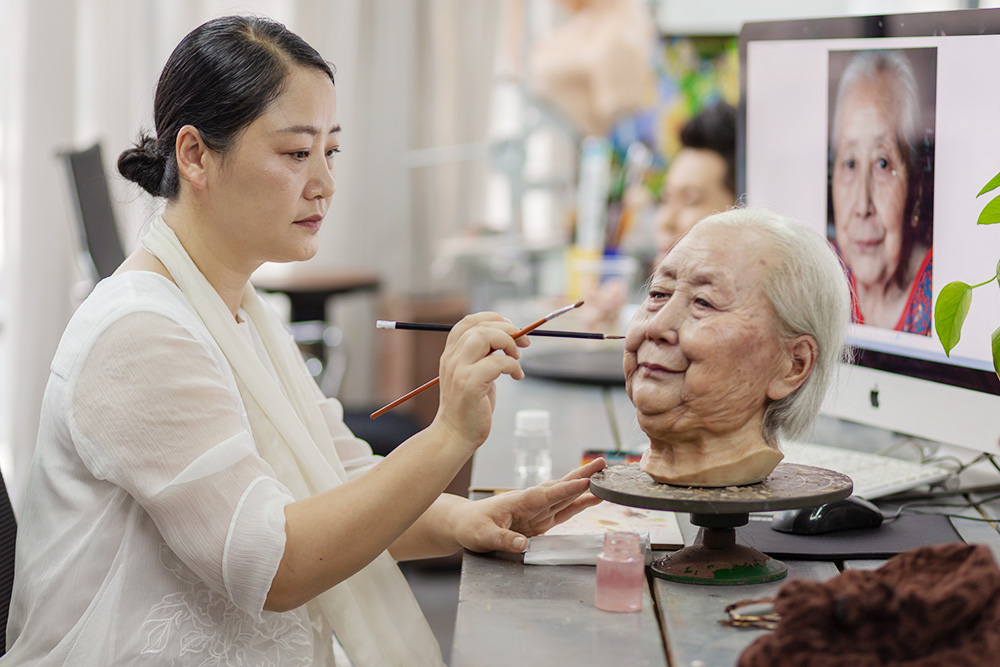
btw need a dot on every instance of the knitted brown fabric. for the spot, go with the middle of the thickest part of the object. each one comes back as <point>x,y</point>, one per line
<point>936,605</point>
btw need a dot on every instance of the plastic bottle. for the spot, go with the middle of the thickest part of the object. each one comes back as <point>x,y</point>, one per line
<point>532,446</point>
<point>621,571</point>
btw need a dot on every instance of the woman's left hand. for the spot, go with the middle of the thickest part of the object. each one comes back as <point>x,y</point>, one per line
<point>505,521</point>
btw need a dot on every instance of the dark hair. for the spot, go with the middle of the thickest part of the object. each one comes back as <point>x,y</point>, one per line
<point>221,77</point>
<point>714,129</point>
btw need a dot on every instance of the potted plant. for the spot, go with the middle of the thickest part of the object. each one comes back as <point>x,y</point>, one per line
<point>955,298</point>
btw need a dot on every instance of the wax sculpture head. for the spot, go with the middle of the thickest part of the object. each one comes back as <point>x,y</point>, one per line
<point>734,346</point>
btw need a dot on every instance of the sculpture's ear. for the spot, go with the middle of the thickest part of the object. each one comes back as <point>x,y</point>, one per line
<point>799,360</point>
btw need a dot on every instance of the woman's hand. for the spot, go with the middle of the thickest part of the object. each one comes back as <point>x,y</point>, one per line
<point>469,367</point>
<point>505,521</point>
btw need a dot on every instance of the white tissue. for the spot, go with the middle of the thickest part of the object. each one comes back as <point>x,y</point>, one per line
<point>573,549</point>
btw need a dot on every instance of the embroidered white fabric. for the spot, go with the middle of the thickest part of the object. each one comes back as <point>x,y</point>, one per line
<point>151,527</point>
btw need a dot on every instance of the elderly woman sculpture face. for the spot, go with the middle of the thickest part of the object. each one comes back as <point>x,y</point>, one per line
<point>704,358</point>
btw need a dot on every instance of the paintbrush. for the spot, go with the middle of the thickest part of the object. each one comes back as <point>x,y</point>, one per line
<point>421,326</point>
<point>427,385</point>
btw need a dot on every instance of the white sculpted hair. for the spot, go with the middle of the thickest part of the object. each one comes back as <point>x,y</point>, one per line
<point>808,290</point>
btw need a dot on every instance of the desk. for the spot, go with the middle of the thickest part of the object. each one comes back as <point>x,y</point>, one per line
<point>509,613</point>
<point>309,291</point>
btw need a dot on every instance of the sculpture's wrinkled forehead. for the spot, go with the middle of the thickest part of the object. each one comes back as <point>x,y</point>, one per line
<point>727,258</point>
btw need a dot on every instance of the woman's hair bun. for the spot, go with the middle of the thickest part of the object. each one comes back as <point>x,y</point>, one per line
<point>144,164</point>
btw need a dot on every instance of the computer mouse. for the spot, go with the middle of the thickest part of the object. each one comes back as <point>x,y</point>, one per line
<point>850,513</point>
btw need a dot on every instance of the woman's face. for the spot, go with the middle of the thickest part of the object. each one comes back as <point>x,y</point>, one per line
<point>270,193</point>
<point>694,188</point>
<point>869,184</point>
<point>701,353</point>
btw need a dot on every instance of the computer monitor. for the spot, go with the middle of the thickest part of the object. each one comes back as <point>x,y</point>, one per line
<point>792,137</point>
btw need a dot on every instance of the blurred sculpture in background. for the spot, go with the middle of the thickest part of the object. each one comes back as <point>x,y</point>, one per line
<point>595,67</point>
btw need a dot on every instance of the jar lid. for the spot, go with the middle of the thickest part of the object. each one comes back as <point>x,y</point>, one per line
<point>531,420</point>
<point>622,541</point>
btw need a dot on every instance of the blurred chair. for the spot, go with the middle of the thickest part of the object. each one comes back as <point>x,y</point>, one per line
<point>94,210</point>
<point>8,537</point>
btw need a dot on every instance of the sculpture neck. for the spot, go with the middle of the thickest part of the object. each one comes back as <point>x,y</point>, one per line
<point>711,460</point>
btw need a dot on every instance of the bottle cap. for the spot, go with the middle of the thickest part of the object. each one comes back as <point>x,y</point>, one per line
<point>622,542</point>
<point>531,420</point>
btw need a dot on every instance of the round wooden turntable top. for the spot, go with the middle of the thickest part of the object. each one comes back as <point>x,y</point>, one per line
<point>789,486</point>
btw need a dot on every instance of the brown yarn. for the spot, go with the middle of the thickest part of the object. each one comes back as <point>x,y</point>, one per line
<point>932,606</point>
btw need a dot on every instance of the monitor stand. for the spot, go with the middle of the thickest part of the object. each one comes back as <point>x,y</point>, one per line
<point>715,558</point>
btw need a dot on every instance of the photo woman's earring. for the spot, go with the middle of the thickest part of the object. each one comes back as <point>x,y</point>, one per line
<point>917,205</point>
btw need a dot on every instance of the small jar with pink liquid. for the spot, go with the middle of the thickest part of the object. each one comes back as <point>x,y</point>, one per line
<point>621,572</point>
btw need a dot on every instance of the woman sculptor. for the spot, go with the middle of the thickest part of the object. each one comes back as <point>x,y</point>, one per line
<point>879,191</point>
<point>734,346</point>
<point>194,498</point>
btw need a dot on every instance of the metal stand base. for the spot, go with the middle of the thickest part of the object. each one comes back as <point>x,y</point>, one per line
<point>715,559</point>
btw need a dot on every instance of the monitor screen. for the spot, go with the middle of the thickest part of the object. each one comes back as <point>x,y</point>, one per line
<point>879,131</point>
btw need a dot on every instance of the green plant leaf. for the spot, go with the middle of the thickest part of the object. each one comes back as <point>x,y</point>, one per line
<point>991,213</point>
<point>992,185</point>
<point>996,351</point>
<point>949,313</point>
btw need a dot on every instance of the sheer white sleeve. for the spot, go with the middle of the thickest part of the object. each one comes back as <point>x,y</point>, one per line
<point>154,412</point>
<point>354,453</point>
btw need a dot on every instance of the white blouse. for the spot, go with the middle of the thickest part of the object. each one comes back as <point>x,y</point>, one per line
<point>151,527</point>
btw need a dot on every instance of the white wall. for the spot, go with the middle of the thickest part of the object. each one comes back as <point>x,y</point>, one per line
<point>38,247</point>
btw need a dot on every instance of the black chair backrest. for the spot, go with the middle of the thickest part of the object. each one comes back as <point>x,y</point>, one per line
<point>8,536</point>
<point>94,209</point>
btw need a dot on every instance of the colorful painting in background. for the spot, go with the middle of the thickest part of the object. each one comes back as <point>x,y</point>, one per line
<point>691,73</point>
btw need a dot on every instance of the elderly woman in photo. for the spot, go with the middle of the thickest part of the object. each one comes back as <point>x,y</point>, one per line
<point>734,346</point>
<point>876,193</point>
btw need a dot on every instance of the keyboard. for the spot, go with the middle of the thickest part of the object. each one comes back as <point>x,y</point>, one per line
<point>874,475</point>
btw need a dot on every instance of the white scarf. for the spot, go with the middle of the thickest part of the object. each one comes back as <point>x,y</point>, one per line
<point>373,613</point>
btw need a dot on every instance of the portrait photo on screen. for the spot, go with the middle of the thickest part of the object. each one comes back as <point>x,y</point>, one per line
<point>880,181</point>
